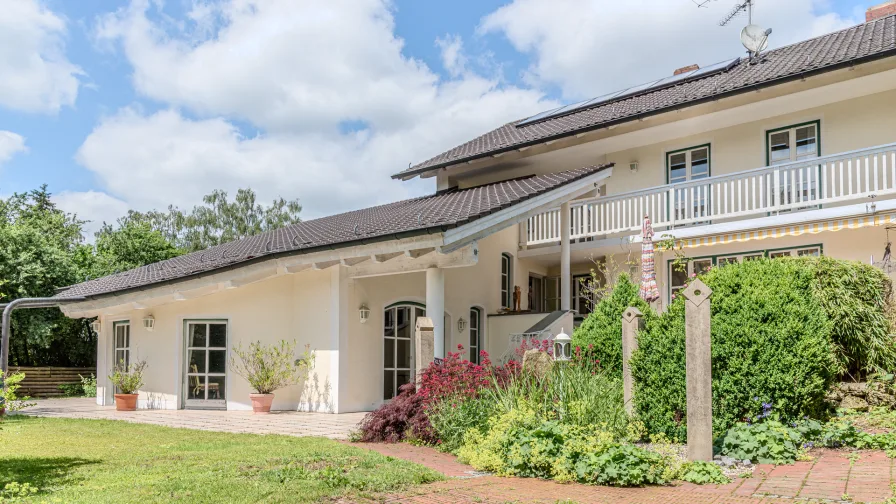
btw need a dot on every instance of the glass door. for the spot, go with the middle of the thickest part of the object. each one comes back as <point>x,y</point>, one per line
<point>206,364</point>
<point>399,325</point>
<point>121,348</point>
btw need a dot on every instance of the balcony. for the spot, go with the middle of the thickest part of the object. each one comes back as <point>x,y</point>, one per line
<point>857,177</point>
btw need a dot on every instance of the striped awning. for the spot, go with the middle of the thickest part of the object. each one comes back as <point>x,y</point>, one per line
<point>793,230</point>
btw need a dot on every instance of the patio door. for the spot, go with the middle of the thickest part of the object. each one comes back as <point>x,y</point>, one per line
<point>121,348</point>
<point>399,325</point>
<point>205,383</point>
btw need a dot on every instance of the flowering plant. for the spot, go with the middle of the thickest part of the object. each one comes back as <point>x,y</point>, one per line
<point>543,345</point>
<point>458,376</point>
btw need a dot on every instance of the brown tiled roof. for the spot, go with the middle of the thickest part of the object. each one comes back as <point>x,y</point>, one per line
<point>427,214</point>
<point>875,39</point>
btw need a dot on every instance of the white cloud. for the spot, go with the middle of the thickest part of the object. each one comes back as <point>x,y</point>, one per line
<point>36,76</point>
<point>296,70</point>
<point>453,58</point>
<point>10,144</point>
<point>589,47</point>
<point>93,206</point>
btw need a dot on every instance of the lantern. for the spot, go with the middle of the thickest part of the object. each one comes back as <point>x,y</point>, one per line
<point>562,347</point>
<point>461,325</point>
<point>364,313</point>
<point>149,323</point>
<point>96,326</point>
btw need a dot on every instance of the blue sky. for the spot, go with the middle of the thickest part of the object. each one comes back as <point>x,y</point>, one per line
<point>142,104</point>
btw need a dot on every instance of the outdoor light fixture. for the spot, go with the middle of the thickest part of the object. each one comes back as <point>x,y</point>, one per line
<point>633,166</point>
<point>149,323</point>
<point>562,347</point>
<point>96,326</point>
<point>364,313</point>
<point>461,325</point>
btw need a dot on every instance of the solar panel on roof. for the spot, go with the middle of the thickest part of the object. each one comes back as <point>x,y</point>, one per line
<point>632,91</point>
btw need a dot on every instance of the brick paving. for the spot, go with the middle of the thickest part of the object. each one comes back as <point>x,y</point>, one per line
<point>290,423</point>
<point>830,477</point>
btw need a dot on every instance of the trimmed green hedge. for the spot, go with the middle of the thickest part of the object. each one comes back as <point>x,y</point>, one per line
<point>771,342</point>
<point>600,333</point>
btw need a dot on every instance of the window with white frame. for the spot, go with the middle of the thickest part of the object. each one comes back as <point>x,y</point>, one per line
<point>688,164</point>
<point>793,143</point>
<point>795,252</point>
<point>475,334</point>
<point>506,281</point>
<point>122,343</point>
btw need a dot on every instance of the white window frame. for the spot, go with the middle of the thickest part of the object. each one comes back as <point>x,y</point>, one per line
<point>220,400</point>
<point>792,143</point>
<point>507,281</point>
<point>116,348</point>
<point>691,269</point>
<point>394,369</point>
<point>688,153</point>
<point>810,251</point>
<point>477,342</point>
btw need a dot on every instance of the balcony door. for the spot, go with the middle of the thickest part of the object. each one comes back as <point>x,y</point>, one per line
<point>684,166</point>
<point>789,145</point>
<point>399,325</point>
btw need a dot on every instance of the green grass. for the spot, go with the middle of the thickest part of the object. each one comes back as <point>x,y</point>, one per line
<point>96,461</point>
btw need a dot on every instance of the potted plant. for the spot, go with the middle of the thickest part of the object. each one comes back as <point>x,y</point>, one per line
<point>268,368</point>
<point>127,379</point>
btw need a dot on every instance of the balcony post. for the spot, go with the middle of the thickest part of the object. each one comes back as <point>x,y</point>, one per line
<point>565,272</point>
<point>672,208</point>
<point>777,188</point>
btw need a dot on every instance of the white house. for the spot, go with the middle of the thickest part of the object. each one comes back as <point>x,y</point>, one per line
<point>792,152</point>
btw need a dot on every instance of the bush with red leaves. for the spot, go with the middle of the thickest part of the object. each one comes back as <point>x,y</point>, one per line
<point>405,415</point>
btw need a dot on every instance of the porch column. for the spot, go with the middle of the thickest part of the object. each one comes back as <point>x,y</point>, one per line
<point>340,287</point>
<point>565,273</point>
<point>435,307</point>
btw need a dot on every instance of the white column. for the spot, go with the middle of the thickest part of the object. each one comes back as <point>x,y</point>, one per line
<point>340,287</point>
<point>565,273</point>
<point>435,307</point>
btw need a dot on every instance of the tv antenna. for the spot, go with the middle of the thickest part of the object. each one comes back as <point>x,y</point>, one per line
<point>743,6</point>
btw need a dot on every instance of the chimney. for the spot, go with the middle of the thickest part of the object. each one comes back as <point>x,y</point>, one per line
<point>878,11</point>
<point>691,68</point>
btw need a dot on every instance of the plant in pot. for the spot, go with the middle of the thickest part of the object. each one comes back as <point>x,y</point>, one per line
<point>127,379</point>
<point>268,368</point>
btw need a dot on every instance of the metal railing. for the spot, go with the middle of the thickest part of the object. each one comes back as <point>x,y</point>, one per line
<point>841,178</point>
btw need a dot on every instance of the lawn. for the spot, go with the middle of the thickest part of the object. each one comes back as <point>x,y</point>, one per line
<point>100,461</point>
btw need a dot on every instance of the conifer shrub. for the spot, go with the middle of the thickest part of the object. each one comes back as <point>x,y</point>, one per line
<point>599,336</point>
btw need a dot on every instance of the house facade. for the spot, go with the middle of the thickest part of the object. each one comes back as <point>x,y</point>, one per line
<point>788,153</point>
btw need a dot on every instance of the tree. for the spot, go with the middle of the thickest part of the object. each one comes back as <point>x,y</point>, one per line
<point>218,220</point>
<point>130,245</point>
<point>38,246</point>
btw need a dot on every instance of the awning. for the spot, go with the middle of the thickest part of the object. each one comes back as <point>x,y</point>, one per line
<point>791,230</point>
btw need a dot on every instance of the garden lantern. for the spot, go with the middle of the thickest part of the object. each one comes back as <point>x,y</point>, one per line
<point>562,347</point>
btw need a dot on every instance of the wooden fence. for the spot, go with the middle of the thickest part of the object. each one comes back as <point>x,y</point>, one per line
<point>45,381</point>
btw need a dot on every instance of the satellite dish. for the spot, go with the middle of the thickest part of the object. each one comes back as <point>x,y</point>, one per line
<point>754,38</point>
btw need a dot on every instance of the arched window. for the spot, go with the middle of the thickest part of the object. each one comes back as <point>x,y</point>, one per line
<point>399,323</point>
<point>506,281</point>
<point>476,341</point>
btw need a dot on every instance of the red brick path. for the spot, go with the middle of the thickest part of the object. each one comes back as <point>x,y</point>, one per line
<point>831,476</point>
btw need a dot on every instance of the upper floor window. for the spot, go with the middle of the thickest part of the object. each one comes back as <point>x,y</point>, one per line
<point>793,143</point>
<point>506,281</point>
<point>688,164</point>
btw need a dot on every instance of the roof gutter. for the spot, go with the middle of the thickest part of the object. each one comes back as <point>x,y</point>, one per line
<point>405,175</point>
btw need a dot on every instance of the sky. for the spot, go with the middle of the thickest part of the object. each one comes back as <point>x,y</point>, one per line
<point>142,104</point>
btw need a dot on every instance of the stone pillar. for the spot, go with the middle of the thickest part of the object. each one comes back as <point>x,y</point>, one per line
<point>424,345</point>
<point>698,352</point>
<point>632,318</point>
<point>565,273</point>
<point>435,306</point>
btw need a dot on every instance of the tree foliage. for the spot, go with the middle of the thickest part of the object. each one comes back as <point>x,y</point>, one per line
<point>43,248</point>
<point>218,220</point>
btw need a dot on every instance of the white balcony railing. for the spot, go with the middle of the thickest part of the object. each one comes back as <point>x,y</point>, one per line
<point>853,176</point>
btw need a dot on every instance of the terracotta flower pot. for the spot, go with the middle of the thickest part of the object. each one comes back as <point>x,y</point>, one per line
<point>261,403</point>
<point>126,402</point>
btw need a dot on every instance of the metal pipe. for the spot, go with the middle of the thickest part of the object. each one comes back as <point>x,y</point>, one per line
<point>24,303</point>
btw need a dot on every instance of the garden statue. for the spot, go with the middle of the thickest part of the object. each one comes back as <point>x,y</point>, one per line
<point>517,294</point>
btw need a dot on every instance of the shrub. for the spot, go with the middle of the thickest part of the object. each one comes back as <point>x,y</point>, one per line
<point>770,339</point>
<point>622,465</point>
<point>702,473</point>
<point>9,399</point>
<point>453,417</point>
<point>71,389</point>
<point>128,379</point>
<point>571,393</point>
<point>268,368</point>
<point>458,376</point>
<point>769,442</point>
<point>854,296</point>
<point>88,385</point>
<point>600,335</point>
<point>397,419</point>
